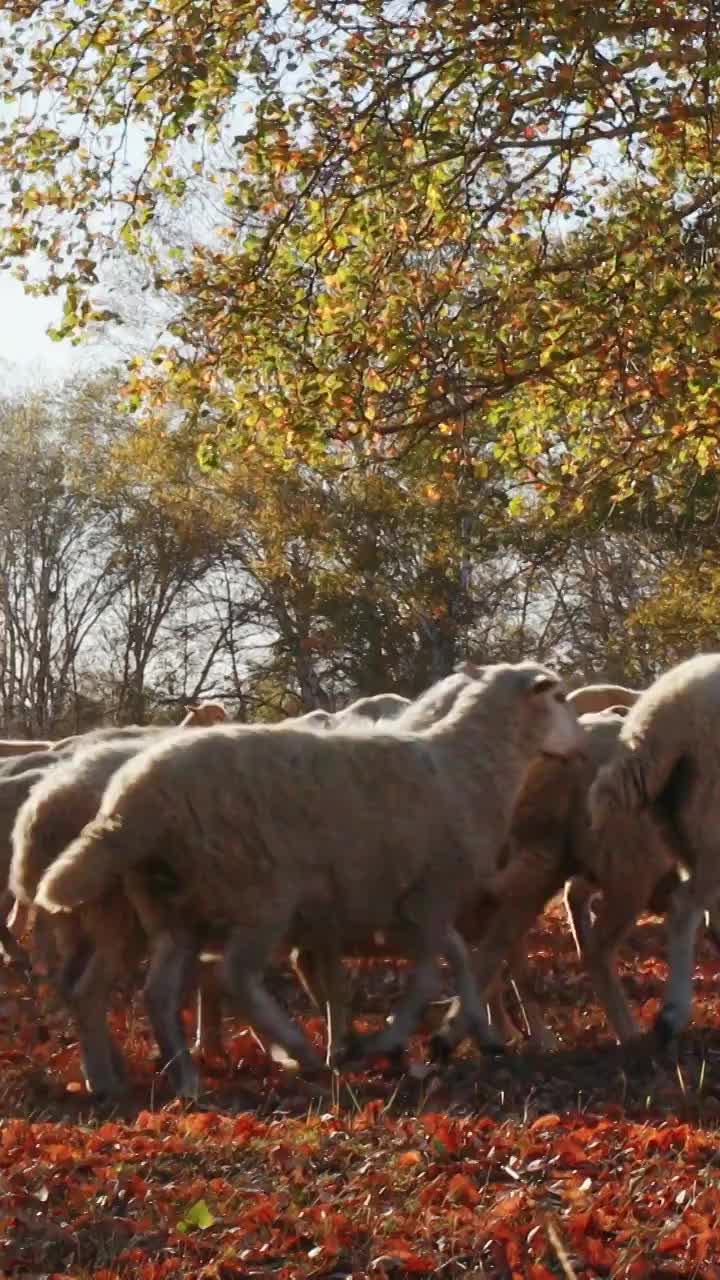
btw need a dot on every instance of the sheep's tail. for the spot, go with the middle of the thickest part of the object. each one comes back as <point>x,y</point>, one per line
<point>105,849</point>
<point>631,781</point>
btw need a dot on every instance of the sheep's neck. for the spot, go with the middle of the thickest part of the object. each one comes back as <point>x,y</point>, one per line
<point>494,769</point>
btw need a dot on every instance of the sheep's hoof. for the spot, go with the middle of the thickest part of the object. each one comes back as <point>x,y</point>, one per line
<point>489,1044</point>
<point>107,1091</point>
<point>358,1049</point>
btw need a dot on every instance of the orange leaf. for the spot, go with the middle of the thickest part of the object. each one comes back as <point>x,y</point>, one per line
<point>699,1246</point>
<point>550,1121</point>
<point>415,1262</point>
<point>674,1240</point>
<point>578,1224</point>
<point>410,1157</point>
<point>462,1189</point>
<point>597,1253</point>
<point>506,1206</point>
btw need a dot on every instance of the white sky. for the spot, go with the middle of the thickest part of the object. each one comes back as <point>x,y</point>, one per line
<point>27,354</point>
<point>28,357</point>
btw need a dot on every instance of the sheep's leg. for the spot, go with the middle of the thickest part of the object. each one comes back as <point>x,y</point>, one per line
<point>472,1010</point>
<point>245,960</point>
<point>499,1015</point>
<point>14,952</point>
<point>526,886</point>
<point>615,919</point>
<point>321,973</point>
<point>208,1036</point>
<point>421,987</point>
<point>446,1011</point>
<point>88,997</point>
<point>20,917</point>
<point>685,916</point>
<point>538,1032</point>
<point>419,992</point>
<point>172,969</point>
<point>520,972</point>
<point>578,898</point>
<point>46,952</point>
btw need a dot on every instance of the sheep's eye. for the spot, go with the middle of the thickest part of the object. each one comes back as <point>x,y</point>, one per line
<point>560,697</point>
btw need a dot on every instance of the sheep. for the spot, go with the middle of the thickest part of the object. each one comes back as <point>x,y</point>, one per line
<point>551,844</point>
<point>325,987</point>
<point>598,697</point>
<point>379,707</point>
<point>382,706</point>
<point>553,800</point>
<point>15,765</point>
<point>22,746</point>
<point>251,834</point>
<point>324,983</point>
<point>13,792</point>
<point>542,817</point>
<point>322,980</point>
<point>201,715</point>
<point>102,942</point>
<point>317,719</point>
<point>197,715</point>
<point>666,767</point>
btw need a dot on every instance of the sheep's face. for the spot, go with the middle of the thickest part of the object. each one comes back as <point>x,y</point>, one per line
<point>561,734</point>
<point>202,715</point>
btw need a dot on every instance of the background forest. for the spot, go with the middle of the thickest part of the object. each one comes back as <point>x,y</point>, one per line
<point>408,322</point>
<point>132,581</point>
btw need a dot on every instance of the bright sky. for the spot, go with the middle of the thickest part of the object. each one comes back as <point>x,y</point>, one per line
<point>27,354</point>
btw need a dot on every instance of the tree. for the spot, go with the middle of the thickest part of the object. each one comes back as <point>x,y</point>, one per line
<point>56,578</point>
<point>437,217</point>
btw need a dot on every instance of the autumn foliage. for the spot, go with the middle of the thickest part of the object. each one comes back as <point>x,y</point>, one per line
<point>437,374</point>
<point>581,1163</point>
<point>493,225</point>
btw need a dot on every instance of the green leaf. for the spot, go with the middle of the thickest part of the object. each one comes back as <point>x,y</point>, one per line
<point>198,1215</point>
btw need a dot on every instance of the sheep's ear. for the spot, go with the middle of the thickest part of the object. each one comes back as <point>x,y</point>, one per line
<point>543,684</point>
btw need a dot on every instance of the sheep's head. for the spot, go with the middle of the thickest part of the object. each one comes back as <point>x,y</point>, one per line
<point>554,719</point>
<point>201,715</point>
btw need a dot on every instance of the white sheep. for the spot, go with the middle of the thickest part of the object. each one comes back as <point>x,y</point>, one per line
<point>11,767</point>
<point>266,833</point>
<point>667,765</point>
<point>13,792</point>
<point>101,942</point>
<point>381,706</point>
<point>22,746</point>
<point>601,697</point>
<point>326,987</point>
<point>197,715</point>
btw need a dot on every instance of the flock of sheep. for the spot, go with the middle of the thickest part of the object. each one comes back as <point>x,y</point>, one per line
<point>436,828</point>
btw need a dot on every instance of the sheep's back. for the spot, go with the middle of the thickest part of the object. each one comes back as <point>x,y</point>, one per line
<point>349,824</point>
